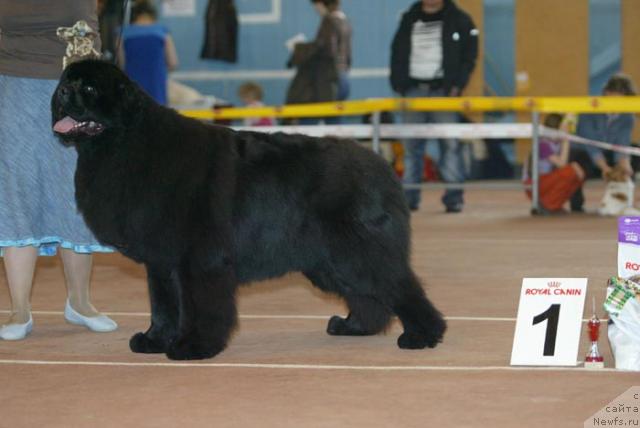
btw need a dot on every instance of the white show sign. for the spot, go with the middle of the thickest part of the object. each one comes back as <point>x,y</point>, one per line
<point>549,322</point>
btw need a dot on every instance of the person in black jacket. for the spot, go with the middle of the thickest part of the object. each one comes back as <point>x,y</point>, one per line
<point>433,54</point>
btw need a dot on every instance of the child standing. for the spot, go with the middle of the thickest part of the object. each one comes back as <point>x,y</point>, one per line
<point>559,178</point>
<point>251,95</point>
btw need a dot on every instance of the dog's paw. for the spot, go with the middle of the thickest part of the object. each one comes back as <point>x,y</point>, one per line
<point>421,340</point>
<point>339,326</point>
<point>185,350</point>
<point>415,341</point>
<point>141,343</point>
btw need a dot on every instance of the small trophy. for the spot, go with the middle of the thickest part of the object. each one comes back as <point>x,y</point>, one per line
<point>593,359</point>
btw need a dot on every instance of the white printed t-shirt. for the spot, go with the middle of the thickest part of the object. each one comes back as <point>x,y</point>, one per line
<point>425,62</point>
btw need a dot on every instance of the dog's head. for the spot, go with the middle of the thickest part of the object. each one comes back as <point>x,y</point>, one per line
<point>92,98</point>
<point>616,174</point>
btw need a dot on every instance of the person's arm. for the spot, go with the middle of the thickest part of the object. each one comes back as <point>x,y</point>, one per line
<point>400,55</point>
<point>625,163</point>
<point>562,158</point>
<point>622,137</point>
<point>587,128</point>
<point>302,53</point>
<point>469,44</point>
<point>120,55</point>
<point>602,164</point>
<point>306,51</point>
<point>170,53</point>
<point>327,37</point>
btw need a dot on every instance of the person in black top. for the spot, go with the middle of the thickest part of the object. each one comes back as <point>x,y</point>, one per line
<point>433,54</point>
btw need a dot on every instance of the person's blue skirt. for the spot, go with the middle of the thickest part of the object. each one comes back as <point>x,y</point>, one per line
<point>37,205</point>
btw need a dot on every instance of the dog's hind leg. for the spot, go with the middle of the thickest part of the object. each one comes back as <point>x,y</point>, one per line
<point>423,324</point>
<point>367,315</point>
<point>163,293</point>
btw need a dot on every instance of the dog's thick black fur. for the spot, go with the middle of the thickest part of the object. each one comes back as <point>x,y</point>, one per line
<point>206,208</point>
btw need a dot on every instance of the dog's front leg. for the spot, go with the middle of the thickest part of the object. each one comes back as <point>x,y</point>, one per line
<point>207,307</point>
<point>163,294</point>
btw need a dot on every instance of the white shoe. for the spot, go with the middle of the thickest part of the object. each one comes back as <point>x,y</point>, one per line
<point>16,331</point>
<point>101,323</point>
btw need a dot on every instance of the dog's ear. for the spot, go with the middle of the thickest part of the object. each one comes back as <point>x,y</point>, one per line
<point>616,174</point>
<point>619,174</point>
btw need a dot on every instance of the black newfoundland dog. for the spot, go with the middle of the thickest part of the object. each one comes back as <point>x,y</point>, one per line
<point>206,208</point>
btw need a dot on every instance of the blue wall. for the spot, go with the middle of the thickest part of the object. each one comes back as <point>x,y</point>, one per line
<point>261,47</point>
<point>605,49</point>
<point>499,46</point>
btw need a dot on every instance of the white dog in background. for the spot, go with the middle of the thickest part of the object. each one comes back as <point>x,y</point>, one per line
<point>619,195</point>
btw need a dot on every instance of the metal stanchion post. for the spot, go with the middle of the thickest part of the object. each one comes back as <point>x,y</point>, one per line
<point>375,122</point>
<point>535,153</point>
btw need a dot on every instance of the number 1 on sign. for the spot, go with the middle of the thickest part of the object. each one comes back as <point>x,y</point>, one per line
<point>552,314</point>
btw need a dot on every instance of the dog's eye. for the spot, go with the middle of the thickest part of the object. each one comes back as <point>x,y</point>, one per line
<point>90,90</point>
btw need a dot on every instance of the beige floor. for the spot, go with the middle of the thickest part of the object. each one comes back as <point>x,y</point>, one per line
<point>282,370</point>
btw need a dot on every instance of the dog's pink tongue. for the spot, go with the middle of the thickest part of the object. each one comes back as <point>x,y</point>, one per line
<point>64,125</point>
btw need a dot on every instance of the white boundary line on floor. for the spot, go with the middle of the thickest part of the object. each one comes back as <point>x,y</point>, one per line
<point>299,366</point>
<point>284,317</point>
<point>267,317</point>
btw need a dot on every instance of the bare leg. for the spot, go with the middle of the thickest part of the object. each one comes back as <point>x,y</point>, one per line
<point>19,264</point>
<point>77,271</point>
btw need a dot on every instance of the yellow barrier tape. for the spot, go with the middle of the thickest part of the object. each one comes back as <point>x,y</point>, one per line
<point>346,108</point>
<point>590,104</point>
<point>461,104</point>
<point>468,104</point>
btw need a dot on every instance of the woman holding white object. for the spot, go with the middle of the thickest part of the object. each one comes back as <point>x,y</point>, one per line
<point>323,64</point>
